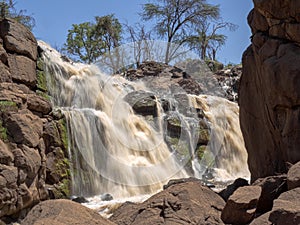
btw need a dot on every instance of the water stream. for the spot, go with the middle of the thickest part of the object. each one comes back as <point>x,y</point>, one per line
<point>115,151</point>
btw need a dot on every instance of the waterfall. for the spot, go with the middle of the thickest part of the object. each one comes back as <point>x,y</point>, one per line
<point>113,150</point>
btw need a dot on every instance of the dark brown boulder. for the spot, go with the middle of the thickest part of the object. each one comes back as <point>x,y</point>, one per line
<point>293,176</point>
<point>285,211</point>
<point>230,189</point>
<point>269,94</point>
<point>63,212</point>
<point>241,206</point>
<point>271,187</point>
<point>181,203</point>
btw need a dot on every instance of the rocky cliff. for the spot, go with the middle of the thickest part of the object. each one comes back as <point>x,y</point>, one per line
<point>32,139</point>
<point>269,94</point>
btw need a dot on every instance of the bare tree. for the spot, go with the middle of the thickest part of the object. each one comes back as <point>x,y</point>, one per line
<point>176,19</point>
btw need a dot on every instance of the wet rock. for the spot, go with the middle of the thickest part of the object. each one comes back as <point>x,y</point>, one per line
<point>63,212</point>
<point>241,205</point>
<point>181,203</point>
<point>106,197</point>
<point>293,176</point>
<point>143,103</point>
<point>79,199</point>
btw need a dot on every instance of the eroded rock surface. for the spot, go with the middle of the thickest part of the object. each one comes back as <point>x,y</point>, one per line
<point>269,95</point>
<point>182,203</point>
<point>63,212</point>
<point>25,173</point>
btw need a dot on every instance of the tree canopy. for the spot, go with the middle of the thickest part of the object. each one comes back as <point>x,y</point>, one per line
<point>178,19</point>
<point>90,40</point>
<point>7,10</point>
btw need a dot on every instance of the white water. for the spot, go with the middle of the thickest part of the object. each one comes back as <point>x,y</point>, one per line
<point>116,151</point>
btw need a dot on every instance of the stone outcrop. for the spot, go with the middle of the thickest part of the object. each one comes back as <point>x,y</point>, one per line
<point>241,206</point>
<point>269,94</point>
<point>293,176</point>
<point>181,203</point>
<point>284,212</point>
<point>25,121</point>
<point>63,212</point>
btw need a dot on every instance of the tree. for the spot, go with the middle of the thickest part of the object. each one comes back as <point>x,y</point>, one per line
<point>141,43</point>
<point>7,10</point>
<point>177,19</point>
<point>207,38</point>
<point>89,40</point>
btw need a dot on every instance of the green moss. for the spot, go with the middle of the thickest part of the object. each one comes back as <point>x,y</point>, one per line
<point>203,136</point>
<point>40,63</point>
<point>7,105</point>
<point>43,94</point>
<point>62,126</point>
<point>65,187</point>
<point>200,151</point>
<point>41,81</point>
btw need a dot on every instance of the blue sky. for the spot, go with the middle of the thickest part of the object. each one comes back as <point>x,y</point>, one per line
<point>55,17</point>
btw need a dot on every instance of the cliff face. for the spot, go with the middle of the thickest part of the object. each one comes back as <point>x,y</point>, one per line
<point>29,135</point>
<point>269,95</point>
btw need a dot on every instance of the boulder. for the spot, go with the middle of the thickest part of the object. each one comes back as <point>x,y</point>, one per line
<point>6,156</point>
<point>143,103</point>
<point>293,176</point>
<point>285,210</point>
<point>230,189</point>
<point>180,203</point>
<point>18,38</point>
<point>271,187</point>
<point>38,104</point>
<point>241,206</point>
<point>269,93</point>
<point>25,128</point>
<point>23,70</point>
<point>63,212</point>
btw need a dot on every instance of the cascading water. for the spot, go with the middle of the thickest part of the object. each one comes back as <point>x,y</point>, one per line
<point>115,151</point>
<point>112,149</point>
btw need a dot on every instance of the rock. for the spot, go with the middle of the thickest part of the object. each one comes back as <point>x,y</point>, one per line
<point>143,103</point>
<point>182,203</point>
<point>241,205</point>
<point>269,91</point>
<point>79,199</point>
<point>56,167</point>
<point>23,70</point>
<point>6,156</point>
<point>106,197</point>
<point>25,128</point>
<point>293,176</point>
<point>285,211</point>
<point>271,187</point>
<point>63,212</point>
<point>38,104</point>
<point>230,189</point>
<point>17,38</point>
<point>23,119</point>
